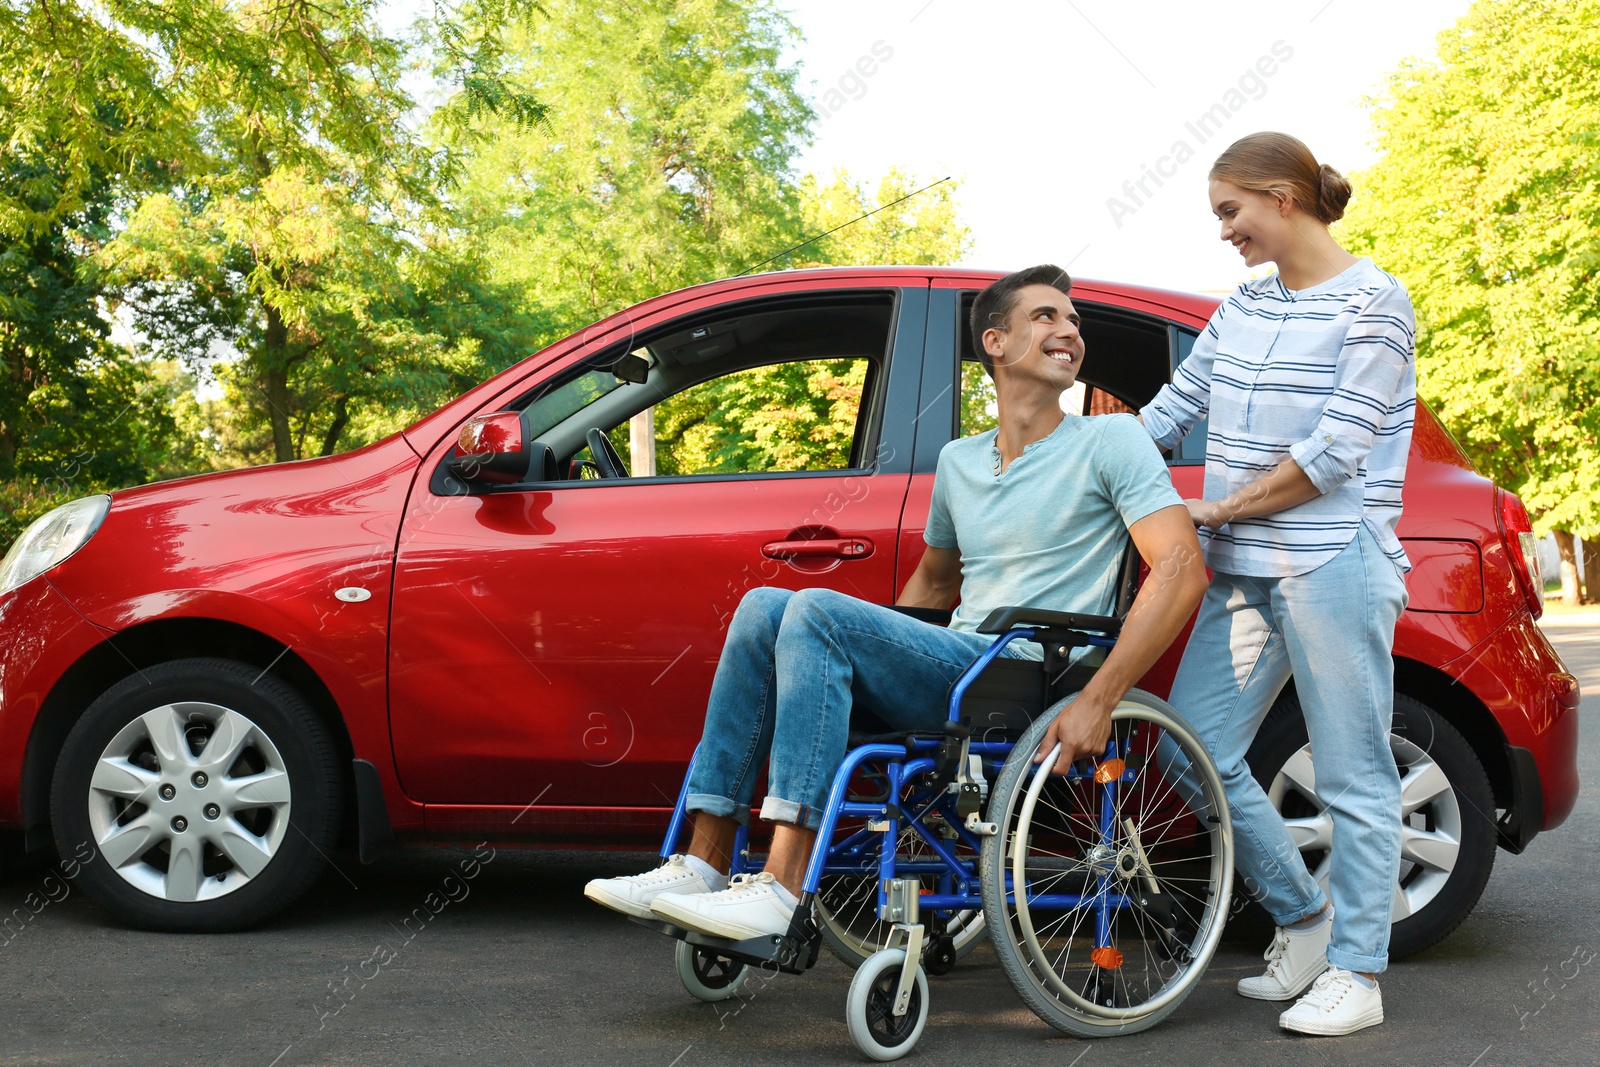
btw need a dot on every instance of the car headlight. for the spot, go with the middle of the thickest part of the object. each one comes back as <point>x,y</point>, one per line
<point>52,538</point>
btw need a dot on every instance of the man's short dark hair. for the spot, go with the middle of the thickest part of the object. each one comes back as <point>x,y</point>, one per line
<point>993,307</point>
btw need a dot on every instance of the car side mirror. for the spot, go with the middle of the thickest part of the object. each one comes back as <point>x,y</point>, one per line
<point>492,449</point>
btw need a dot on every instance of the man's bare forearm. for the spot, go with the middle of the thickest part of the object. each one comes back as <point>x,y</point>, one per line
<point>936,583</point>
<point>923,592</point>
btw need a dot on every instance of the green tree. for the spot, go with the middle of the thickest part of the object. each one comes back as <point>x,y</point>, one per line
<point>909,221</point>
<point>287,231</point>
<point>667,159</point>
<point>280,208</point>
<point>122,89</point>
<point>1486,203</point>
<point>77,414</point>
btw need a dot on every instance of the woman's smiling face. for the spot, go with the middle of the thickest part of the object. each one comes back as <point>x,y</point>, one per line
<point>1252,222</point>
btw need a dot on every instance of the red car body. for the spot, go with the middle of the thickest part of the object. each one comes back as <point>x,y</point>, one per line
<point>533,665</point>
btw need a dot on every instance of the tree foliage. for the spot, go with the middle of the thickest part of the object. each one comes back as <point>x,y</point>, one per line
<point>250,190</point>
<point>667,160</point>
<point>1486,202</point>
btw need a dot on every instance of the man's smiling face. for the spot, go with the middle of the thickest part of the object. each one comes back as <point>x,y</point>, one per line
<point>1041,340</point>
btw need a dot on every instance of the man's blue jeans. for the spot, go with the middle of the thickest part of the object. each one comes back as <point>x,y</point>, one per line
<point>1333,630</point>
<point>793,666</point>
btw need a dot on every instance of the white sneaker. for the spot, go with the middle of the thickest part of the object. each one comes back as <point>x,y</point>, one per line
<point>632,895</point>
<point>1337,1004</point>
<point>1293,963</point>
<point>749,907</point>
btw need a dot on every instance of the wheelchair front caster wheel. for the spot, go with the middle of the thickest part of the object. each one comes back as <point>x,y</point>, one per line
<point>869,1009</point>
<point>707,976</point>
<point>940,957</point>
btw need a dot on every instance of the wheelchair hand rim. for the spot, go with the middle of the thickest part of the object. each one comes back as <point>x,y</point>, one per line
<point>1219,897</point>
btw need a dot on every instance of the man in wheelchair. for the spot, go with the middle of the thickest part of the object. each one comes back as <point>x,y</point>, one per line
<point>1034,512</point>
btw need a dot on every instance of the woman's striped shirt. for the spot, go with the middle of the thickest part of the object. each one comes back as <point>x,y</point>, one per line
<point>1326,375</point>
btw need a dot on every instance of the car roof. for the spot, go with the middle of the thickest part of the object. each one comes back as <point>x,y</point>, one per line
<point>1199,305</point>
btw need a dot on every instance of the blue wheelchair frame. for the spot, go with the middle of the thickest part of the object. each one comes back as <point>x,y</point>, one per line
<point>919,754</point>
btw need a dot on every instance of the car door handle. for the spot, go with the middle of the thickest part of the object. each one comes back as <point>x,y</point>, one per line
<point>820,548</point>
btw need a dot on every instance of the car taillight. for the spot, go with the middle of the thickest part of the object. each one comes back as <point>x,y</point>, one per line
<point>1523,551</point>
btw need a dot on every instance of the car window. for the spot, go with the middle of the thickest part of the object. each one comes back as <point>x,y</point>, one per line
<point>799,416</point>
<point>569,398</point>
<point>1100,402</point>
<point>779,385</point>
<point>979,409</point>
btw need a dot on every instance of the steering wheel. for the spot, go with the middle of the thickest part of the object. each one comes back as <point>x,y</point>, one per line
<point>606,460</point>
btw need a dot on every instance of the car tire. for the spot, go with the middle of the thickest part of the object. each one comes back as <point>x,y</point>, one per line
<point>1448,838</point>
<point>168,831</point>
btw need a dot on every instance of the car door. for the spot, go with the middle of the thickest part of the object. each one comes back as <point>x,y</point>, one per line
<point>554,641</point>
<point>1131,349</point>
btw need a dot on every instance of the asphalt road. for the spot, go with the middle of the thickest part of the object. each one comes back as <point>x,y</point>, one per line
<point>519,969</point>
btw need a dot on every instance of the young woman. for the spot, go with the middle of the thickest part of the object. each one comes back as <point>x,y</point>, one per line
<point>1309,380</point>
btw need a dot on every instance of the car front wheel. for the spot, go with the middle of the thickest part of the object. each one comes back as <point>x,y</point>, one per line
<point>1447,833</point>
<point>197,795</point>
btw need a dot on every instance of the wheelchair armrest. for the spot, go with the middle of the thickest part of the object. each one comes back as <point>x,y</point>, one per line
<point>1002,619</point>
<point>937,616</point>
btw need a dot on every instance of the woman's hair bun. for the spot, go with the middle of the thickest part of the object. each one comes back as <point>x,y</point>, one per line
<point>1333,194</point>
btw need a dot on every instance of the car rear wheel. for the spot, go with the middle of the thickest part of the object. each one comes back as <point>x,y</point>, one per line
<point>205,792</point>
<point>1447,833</point>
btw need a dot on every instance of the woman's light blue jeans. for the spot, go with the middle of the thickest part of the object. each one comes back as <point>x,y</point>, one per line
<point>793,666</point>
<point>1333,631</point>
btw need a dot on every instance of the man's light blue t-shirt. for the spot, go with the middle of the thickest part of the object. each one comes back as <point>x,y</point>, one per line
<point>1049,532</point>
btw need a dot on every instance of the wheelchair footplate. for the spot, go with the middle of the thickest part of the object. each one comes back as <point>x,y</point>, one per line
<point>794,952</point>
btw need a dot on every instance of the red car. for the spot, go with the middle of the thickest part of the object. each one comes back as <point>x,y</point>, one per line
<point>486,627</point>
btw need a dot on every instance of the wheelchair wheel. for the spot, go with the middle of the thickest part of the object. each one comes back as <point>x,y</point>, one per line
<point>847,903</point>
<point>1106,890</point>
<point>869,1008</point>
<point>709,977</point>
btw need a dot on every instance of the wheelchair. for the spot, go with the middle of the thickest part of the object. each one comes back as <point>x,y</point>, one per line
<point>1103,892</point>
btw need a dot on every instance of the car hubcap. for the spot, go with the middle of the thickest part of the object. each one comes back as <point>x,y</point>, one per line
<point>1430,823</point>
<point>189,801</point>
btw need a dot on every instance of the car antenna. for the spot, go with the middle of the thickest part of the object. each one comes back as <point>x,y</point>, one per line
<point>842,225</point>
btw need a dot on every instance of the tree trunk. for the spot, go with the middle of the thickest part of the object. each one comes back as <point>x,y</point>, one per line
<point>1569,568</point>
<point>1591,570</point>
<point>341,418</point>
<point>275,383</point>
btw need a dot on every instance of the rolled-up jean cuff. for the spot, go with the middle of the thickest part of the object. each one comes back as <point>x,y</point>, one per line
<point>712,804</point>
<point>775,809</point>
<point>1314,908</point>
<point>1352,962</point>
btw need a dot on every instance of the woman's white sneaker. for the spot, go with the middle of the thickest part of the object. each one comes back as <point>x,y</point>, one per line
<point>1293,963</point>
<point>753,905</point>
<point>1337,1004</point>
<point>633,894</point>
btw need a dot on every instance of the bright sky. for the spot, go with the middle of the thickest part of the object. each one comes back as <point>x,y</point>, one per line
<point>1045,109</point>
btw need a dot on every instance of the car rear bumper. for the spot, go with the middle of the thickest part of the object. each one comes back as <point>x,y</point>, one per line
<point>1524,684</point>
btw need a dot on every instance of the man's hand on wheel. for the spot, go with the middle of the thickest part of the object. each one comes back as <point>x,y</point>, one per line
<point>1082,728</point>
